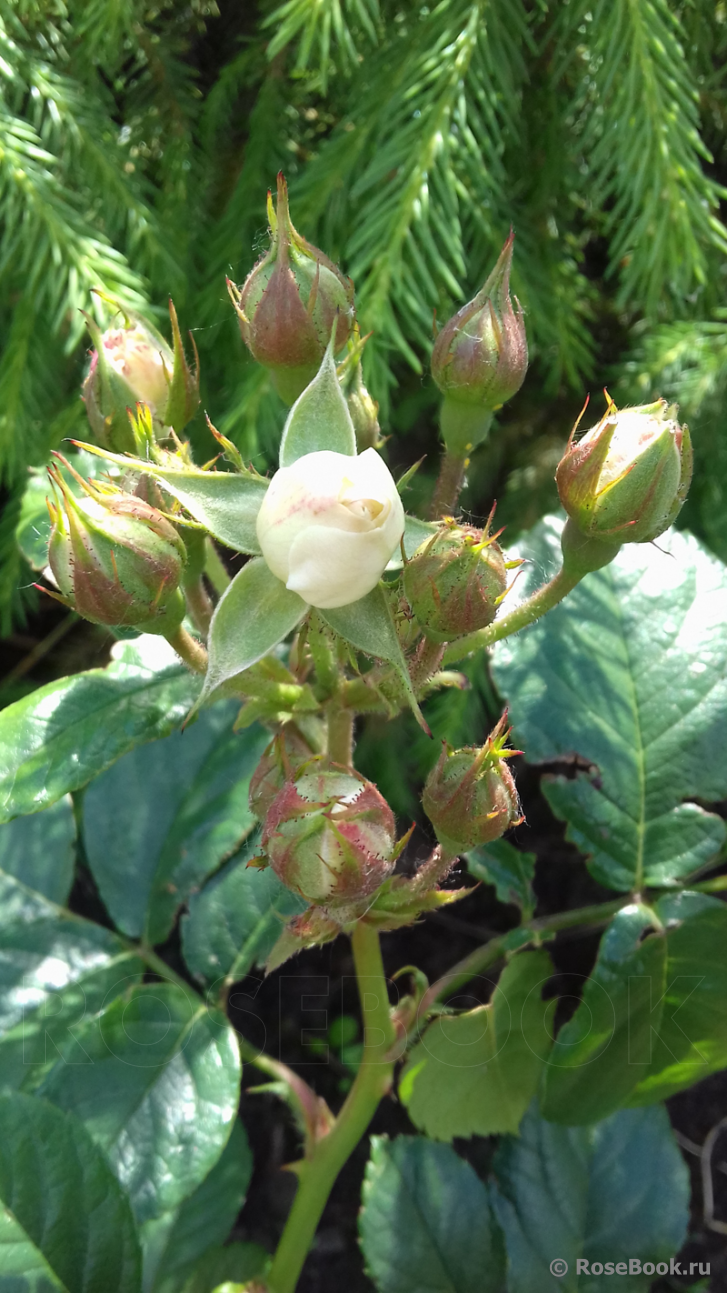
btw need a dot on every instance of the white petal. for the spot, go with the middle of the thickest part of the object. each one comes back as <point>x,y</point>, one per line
<point>330,568</point>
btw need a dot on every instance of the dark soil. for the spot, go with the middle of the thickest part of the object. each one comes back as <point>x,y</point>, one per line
<point>289,1013</point>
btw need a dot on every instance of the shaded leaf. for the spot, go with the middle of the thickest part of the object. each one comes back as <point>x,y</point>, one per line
<point>66,1224</point>
<point>630,672</point>
<point>253,615</point>
<point>602,1052</point>
<point>604,1193</point>
<point>234,923</point>
<point>190,811</point>
<point>173,1243</point>
<point>510,870</point>
<point>476,1073</point>
<point>689,1038</point>
<point>61,736</point>
<point>159,1092</point>
<point>40,850</point>
<point>369,627</point>
<point>426,1221</point>
<point>56,971</point>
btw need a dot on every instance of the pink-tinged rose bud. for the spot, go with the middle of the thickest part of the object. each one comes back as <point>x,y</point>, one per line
<point>480,358</point>
<point>132,364</point>
<point>455,581</point>
<point>289,303</point>
<point>627,478</point>
<point>470,796</point>
<point>116,559</point>
<point>279,763</point>
<point>330,836</point>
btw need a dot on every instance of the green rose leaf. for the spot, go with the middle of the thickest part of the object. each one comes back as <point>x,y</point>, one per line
<point>158,1092</point>
<point>426,1221</point>
<point>221,1270</point>
<point>173,1243</point>
<point>689,1037</point>
<point>190,799</point>
<point>41,850</point>
<point>605,1049</point>
<point>66,1225</point>
<point>253,615</point>
<point>510,870</point>
<point>630,673</point>
<point>61,736</point>
<point>226,503</point>
<point>368,626</point>
<point>319,419</point>
<point>476,1073</point>
<point>234,923</point>
<point>56,971</point>
<point>602,1193</point>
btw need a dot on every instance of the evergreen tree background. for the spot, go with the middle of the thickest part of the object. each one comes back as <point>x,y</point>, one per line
<point>137,143</point>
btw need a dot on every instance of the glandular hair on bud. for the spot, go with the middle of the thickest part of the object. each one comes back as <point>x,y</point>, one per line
<point>470,796</point>
<point>289,304</point>
<point>116,559</point>
<point>455,581</point>
<point>330,836</point>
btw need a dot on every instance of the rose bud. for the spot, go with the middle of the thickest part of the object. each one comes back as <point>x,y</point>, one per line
<point>329,524</point>
<point>455,581</point>
<point>470,796</point>
<point>289,303</point>
<point>116,559</point>
<point>279,763</point>
<point>480,359</point>
<point>331,836</point>
<point>134,365</point>
<point>363,409</point>
<point>627,478</point>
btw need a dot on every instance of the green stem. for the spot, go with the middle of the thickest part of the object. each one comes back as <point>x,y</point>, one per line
<point>199,604</point>
<point>317,1174</point>
<point>526,613</point>
<point>214,569</point>
<point>426,662</point>
<point>449,484</point>
<point>483,957</point>
<point>191,651</point>
<point>340,735</point>
<point>581,555</point>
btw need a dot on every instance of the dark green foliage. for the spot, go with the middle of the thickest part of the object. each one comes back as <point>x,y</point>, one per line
<point>137,143</point>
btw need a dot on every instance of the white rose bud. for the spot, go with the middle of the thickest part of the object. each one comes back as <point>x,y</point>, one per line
<point>329,524</point>
<point>144,363</point>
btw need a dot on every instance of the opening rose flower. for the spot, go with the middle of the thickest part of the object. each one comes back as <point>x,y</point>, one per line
<point>329,524</point>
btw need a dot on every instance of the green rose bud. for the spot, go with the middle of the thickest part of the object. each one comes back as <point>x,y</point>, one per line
<point>289,303</point>
<point>480,359</point>
<point>626,479</point>
<point>364,410</point>
<point>470,796</point>
<point>116,559</point>
<point>330,836</point>
<point>455,581</point>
